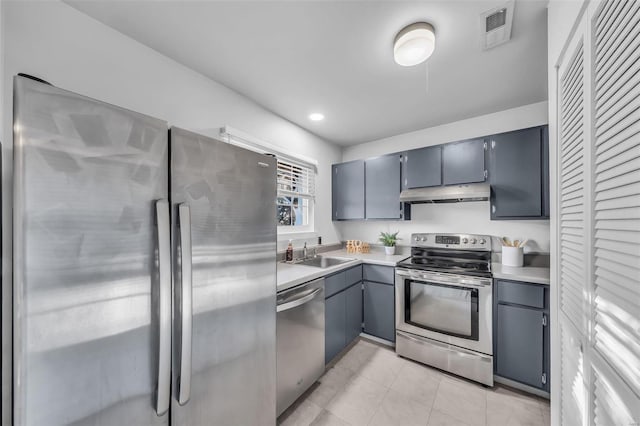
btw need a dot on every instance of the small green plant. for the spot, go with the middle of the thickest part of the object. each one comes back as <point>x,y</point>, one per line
<point>388,239</point>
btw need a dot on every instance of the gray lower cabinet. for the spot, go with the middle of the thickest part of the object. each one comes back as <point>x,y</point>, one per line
<point>334,325</point>
<point>519,174</point>
<point>422,167</point>
<point>347,189</point>
<point>463,162</point>
<point>343,310</point>
<point>353,326</point>
<point>521,333</point>
<point>379,310</point>
<point>382,187</point>
<point>520,336</point>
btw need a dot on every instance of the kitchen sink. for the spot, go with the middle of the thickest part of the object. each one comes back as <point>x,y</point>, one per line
<point>323,262</point>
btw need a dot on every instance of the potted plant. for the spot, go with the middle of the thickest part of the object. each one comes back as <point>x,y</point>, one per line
<point>389,241</point>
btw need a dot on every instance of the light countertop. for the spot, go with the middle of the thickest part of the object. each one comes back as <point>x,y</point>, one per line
<point>291,275</point>
<point>530,274</point>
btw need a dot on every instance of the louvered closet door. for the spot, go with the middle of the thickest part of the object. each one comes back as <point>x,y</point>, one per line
<point>573,252</point>
<point>571,179</point>
<point>616,215</point>
<point>599,173</point>
<point>572,382</point>
<point>614,402</point>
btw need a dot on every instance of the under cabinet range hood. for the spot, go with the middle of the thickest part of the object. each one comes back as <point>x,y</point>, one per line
<point>447,194</point>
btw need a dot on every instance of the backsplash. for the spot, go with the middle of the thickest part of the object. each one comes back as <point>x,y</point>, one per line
<point>470,217</point>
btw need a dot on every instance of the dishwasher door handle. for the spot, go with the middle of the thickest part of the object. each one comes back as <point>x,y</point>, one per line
<point>299,301</point>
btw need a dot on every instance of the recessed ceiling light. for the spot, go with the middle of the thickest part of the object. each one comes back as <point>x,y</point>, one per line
<point>316,116</point>
<point>414,44</point>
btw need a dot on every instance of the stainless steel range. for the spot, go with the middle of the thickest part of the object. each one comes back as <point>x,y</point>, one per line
<point>444,304</point>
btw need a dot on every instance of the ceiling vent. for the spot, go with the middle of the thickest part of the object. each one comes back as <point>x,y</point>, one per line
<point>496,25</point>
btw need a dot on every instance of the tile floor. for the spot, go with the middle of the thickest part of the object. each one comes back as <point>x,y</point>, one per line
<point>370,385</point>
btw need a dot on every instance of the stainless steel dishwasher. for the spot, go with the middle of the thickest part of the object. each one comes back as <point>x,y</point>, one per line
<point>300,337</point>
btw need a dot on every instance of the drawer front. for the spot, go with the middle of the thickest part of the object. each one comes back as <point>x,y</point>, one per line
<point>353,275</point>
<point>521,293</point>
<point>379,274</point>
<point>334,284</point>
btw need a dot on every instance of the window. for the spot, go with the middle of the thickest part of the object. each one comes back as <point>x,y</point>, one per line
<point>296,192</point>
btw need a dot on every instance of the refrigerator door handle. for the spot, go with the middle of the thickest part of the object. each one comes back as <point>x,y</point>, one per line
<point>186,305</point>
<point>163,394</point>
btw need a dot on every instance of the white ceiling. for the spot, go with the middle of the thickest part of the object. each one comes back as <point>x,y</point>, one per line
<point>335,57</point>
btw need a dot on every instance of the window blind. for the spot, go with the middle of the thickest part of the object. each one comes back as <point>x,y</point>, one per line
<point>616,194</point>
<point>295,179</point>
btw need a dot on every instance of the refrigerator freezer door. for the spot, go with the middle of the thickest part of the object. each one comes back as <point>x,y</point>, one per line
<point>231,193</point>
<point>86,260</point>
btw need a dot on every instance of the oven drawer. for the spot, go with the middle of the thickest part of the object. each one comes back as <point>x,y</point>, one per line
<point>378,273</point>
<point>520,293</point>
<point>454,359</point>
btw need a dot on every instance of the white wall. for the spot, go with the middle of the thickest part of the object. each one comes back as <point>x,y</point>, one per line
<point>470,217</point>
<point>55,42</point>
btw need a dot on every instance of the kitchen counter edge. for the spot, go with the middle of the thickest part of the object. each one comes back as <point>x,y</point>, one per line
<point>529,274</point>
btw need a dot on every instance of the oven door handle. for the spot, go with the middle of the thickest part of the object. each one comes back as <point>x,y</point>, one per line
<point>450,279</point>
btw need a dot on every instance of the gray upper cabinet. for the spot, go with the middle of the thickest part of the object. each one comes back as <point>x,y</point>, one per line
<point>347,185</point>
<point>382,187</point>
<point>368,189</point>
<point>516,164</point>
<point>519,174</point>
<point>463,162</point>
<point>423,167</point>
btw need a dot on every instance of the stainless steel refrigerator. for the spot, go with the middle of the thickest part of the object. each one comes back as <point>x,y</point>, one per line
<point>144,269</point>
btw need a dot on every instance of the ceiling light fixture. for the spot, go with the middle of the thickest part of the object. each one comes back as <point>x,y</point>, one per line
<point>316,116</point>
<point>414,44</point>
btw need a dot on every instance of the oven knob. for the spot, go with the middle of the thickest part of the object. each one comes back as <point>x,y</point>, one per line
<point>482,241</point>
<point>465,241</point>
<point>417,238</point>
<point>423,239</point>
<point>473,241</point>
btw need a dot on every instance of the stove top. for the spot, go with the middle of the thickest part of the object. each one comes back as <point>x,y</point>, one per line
<point>463,254</point>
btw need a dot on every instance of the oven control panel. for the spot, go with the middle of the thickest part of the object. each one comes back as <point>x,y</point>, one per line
<point>447,239</point>
<point>453,241</point>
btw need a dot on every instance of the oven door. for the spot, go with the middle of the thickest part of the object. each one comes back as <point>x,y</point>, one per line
<point>450,308</point>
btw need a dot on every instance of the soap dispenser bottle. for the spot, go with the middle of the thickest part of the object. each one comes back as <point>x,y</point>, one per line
<point>289,254</point>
